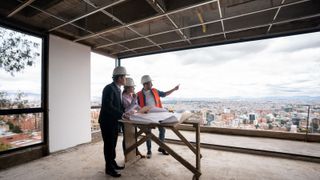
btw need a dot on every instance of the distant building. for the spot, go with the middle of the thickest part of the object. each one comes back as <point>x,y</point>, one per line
<point>315,125</point>
<point>270,118</point>
<point>288,109</point>
<point>29,124</point>
<point>252,117</point>
<point>227,117</point>
<point>293,128</point>
<point>209,118</point>
<point>3,127</point>
<point>226,110</point>
<point>95,126</point>
<point>236,122</point>
<point>296,121</point>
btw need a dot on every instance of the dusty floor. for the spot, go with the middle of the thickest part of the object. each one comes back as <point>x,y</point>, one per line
<point>86,162</point>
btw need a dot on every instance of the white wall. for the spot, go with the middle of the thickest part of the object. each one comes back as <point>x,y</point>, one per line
<point>69,94</point>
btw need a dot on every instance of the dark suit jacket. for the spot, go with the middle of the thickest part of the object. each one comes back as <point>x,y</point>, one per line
<point>111,108</point>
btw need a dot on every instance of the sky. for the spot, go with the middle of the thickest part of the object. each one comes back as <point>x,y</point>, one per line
<point>287,66</point>
<point>29,79</point>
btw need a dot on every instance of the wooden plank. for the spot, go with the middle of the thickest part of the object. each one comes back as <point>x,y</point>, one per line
<point>141,131</point>
<point>130,139</point>
<point>196,172</point>
<point>183,139</point>
<point>198,155</point>
<point>138,143</point>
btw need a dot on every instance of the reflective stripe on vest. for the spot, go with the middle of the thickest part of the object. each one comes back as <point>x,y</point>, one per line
<point>156,96</point>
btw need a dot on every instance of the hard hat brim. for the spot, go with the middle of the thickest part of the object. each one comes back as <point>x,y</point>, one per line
<point>147,82</point>
<point>121,74</point>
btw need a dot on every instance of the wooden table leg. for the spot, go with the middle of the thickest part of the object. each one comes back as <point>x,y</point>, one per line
<point>198,155</point>
<point>195,171</point>
<point>129,139</point>
<point>148,134</point>
<point>138,143</point>
<point>183,139</point>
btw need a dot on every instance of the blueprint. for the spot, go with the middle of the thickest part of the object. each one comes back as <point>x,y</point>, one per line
<point>159,116</point>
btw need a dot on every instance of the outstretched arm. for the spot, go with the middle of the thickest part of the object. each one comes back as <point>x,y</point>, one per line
<point>171,91</point>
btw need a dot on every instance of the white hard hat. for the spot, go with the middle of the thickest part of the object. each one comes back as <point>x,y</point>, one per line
<point>145,79</point>
<point>129,82</point>
<point>119,71</point>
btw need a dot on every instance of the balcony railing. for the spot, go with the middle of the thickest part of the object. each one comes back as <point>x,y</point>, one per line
<point>263,124</point>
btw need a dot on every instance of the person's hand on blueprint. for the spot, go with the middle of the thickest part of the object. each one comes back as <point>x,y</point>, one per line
<point>145,109</point>
<point>125,116</point>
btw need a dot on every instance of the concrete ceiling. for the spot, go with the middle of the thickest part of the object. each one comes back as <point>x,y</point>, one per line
<point>126,28</point>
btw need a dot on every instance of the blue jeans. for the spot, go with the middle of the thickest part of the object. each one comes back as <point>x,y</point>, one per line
<point>162,132</point>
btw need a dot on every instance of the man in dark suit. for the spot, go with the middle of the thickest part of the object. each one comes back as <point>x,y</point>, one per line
<point>111,111</point>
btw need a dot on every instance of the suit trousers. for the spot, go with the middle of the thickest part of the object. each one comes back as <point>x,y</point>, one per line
<point>110,136</point>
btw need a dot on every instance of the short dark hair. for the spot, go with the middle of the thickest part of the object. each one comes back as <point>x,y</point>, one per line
<point>146,83</point>
<point>116,77</point>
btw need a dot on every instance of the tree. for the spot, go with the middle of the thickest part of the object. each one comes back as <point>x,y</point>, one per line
<point>16,129</point>
<point>17,51</point>
<point>11,125</point>
<point>4,100</point>
<point>314,126</point>
<point>4,147</point>
<point>20,103</point>
<point>19,100</point>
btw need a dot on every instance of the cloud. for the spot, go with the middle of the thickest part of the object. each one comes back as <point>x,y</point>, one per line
<point>28,81</point>
<point>295,43</point>
<point>218,55</point>
<point>294,88</point>
<point>251,69</point>
<point>101,73</point>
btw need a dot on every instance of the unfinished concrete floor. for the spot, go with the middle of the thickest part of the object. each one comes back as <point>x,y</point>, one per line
<point>86,162</point>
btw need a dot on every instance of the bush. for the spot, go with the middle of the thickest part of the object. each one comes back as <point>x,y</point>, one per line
<point>16,129</point>
<point>4,147</point>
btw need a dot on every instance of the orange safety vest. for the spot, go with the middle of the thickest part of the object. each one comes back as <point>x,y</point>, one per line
<point>156,96</point>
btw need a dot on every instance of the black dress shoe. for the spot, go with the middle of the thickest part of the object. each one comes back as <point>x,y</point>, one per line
<point>112,173</point>
<point>164,152</point>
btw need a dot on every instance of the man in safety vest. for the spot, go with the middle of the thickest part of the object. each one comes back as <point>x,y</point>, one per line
<point>149,96</point>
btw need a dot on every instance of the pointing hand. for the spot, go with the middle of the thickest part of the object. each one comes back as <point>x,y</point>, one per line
<point>177,87</point>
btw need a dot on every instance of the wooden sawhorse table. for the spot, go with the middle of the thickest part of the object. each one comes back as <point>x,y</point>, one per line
<point>144,129</point>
